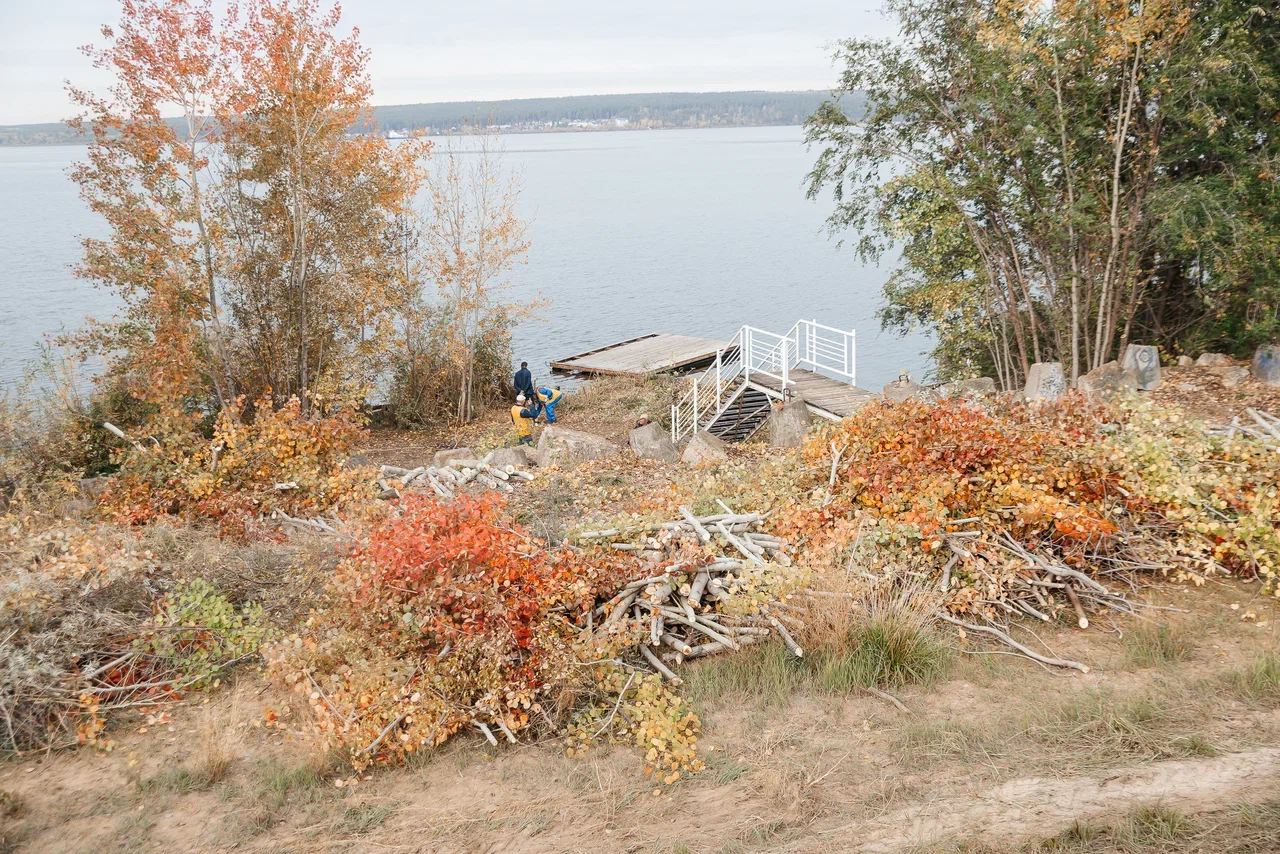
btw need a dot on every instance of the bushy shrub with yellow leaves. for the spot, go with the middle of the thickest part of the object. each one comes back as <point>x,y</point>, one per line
<point>1218,495</point>
<point>281,458</point>
<point>642,710</point>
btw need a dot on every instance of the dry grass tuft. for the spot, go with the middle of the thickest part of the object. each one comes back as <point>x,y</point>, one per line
<point>1259,682</point>
<point>1155,644</point>
<point>1097,727</point>
<point>883,638</point>
<point>877,640</point>
<point>218,740</point>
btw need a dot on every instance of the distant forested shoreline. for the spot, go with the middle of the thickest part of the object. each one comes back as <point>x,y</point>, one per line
<point>534,115</point>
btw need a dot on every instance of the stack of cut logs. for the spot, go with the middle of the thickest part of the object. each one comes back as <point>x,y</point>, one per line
<point>682,603</point>
<point>446,480</point>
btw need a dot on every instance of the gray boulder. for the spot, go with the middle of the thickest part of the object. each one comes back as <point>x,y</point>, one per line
<point>357,461</point>
<point>1213,360</point>
<point>1045,381</point>
<point>443,458</point>
<point>1266,364</point>
<point>517,456</point>
<point>1143,361</point>
<point>564,447</point>
<point>704,448</point>
<point>979,387</point>
<point>908,389</point>
<point>789,424</point>
<point>1231,375</point>
<point>1185,361</point>
<point>1107,381</point>
<point>900,390</point>
<point>651,442</point>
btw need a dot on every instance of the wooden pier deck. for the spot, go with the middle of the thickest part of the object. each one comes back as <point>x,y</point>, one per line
<point>648,354</point>
<point>832,398</point>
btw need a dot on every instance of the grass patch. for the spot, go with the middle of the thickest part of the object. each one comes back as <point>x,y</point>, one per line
<point>1094,729</point>
<point>363,818</point>
<point>1099,728</point>
<point>178,780</point>
<point>946,741</point>
<point>1259,681</point>
<point>878,642</point>
<point>892,648</point>
<point>1149,829</point>
<point>767,673</point>
<point>1155,644</point>
<point>279,780</point>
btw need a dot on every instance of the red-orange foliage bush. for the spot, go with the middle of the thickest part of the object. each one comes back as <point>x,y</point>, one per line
<point>447,614</point>
<point>928,465</point>
<point>281,459</point>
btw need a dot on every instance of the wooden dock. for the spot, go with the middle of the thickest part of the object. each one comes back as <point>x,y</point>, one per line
<point>825,396</point>
<point>649,354</point>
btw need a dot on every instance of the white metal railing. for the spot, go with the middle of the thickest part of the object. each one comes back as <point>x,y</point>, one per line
<point>808,344</point>
<point>826,349</point>
<point>709,390</point>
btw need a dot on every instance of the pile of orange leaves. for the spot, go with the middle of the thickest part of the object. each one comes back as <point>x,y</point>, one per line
<point>1035,471</point>
<point>447,616</point>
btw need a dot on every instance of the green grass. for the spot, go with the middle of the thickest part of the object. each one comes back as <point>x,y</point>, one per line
<point>1259,682</point>
<point>363,818</point>
<point>891,649</point>
<point>766,673</point>
<point>1152,645</point>
<point>178,779</point>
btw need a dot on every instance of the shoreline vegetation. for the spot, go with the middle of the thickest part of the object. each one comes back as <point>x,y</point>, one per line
<point>567,114</point>
<point>237,615</point>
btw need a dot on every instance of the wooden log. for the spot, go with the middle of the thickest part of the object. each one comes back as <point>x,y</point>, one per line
<point>738,544</point>
<point>676,643</point>
<point>1028,652</point>
<point>1081,619</point>
<point>703,534</point>
<point>667,673</point>
<point>699,585</point>
<point>795,648</point>
<point>621,608</point>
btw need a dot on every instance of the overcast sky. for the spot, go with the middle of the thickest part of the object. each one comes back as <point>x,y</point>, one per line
<point>495,49</point>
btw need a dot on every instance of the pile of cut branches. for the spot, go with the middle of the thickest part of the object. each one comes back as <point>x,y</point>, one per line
<point>718,584</point>
<point>1013,510</point>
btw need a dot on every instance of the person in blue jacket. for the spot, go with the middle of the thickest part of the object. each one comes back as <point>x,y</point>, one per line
<point>549,397</point>
<point>524,381</point>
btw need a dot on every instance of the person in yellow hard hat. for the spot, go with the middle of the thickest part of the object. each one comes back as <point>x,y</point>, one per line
<point>549,397</point>
<point>522,420</point>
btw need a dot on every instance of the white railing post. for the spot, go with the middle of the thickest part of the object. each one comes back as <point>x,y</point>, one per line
<point>745,347</point>
<point>853,357</point>
<point>786,345</point>
<point>697,419</point>
<point>813,344</point>
<point>675,424</point>
<point>719,353</point>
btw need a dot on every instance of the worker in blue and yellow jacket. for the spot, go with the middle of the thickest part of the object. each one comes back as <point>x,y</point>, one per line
<point>522,418</point>
<point>549,397</point>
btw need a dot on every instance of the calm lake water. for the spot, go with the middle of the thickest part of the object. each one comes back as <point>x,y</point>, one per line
<point>694,232</point>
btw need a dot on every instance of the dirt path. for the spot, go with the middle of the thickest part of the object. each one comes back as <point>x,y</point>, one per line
<point>1036,807</point>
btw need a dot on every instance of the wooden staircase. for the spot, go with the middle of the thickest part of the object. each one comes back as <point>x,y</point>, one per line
<point>744,414</point>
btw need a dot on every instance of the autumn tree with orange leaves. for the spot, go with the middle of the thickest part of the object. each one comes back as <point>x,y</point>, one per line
<point>249,237</point>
